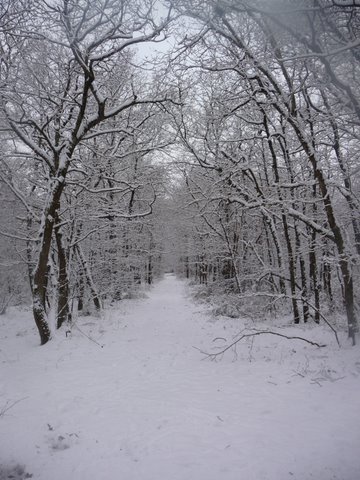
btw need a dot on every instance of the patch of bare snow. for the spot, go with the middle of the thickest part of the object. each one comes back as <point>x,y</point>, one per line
<point>142,404</point>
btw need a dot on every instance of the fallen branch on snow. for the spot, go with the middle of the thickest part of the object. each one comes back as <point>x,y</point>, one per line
<point>213,356</point>
<point>85,335</point>
<point>10,404</point>
<point>276,297</point>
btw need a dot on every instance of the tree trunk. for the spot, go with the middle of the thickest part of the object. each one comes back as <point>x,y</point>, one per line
<point>63,311</point>
<point>313,271</point>
<point>80,295</point>
<point>344,261</point>
<point>149,270</point>
<point>290,251</point>
<point>304,287</point>
<point>86,268</point>
<point>40,276</point>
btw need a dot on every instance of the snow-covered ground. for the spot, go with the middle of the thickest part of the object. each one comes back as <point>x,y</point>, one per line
<point>143,404</point>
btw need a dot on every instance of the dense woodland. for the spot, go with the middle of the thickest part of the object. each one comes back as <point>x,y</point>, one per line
<point>219,139</point>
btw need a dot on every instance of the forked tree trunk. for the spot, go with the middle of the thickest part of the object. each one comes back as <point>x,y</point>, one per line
<point>89,279</point>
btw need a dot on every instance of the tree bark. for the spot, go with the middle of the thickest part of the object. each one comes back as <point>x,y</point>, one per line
<point>63,310</point>
<point>87,271</point>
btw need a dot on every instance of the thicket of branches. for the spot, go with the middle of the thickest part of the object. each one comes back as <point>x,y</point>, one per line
<point>80,124</point>
<point>270,124</point>
<point>258,107</point>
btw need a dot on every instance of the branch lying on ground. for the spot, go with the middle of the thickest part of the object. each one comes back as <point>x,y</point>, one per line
<point>299,299</point>
<point>10,404</point>
<point>213,356</point>
<point>73,324</point>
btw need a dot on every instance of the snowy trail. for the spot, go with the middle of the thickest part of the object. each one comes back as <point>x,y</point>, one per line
<point>147,407</point>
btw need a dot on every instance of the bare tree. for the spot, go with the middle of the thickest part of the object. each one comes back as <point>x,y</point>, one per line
<point>58,92</point>
<point>280,57</point>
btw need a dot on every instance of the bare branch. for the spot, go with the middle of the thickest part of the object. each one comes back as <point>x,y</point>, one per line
<point>213,356</point>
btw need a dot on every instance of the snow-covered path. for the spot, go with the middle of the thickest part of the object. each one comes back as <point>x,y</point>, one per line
<point>147,406</point>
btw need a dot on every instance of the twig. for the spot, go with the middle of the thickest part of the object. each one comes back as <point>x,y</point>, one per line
<point>251,349</point>
<point>294,297</point>
<point>5,303</point>
<point>8,405</point>
<point>212,356</point>
<point>316,382</point>
<point>87,336</point>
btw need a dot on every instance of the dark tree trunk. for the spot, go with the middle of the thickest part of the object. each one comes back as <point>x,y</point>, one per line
<point>81,288</point>
<point>40,277</point>
<point>187,267</point>
<point>304,286</point>
<point>313,271</point>
<point>290,251</point>
<point>313,263</point>
<point>344,261</point>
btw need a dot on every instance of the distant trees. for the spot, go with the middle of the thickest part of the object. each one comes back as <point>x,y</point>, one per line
<point>13,268</point>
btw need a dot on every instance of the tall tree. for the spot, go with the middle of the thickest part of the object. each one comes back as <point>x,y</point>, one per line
<point>279,54</point>
<point>58,91</point>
